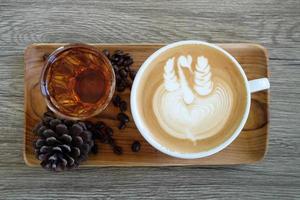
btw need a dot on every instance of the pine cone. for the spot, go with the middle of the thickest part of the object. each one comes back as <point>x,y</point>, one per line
<point>62,144</point>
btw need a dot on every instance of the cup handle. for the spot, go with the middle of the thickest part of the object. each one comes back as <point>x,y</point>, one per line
<point>259,84</point>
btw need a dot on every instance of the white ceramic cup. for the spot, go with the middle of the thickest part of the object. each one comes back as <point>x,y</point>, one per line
<point>251,86</point>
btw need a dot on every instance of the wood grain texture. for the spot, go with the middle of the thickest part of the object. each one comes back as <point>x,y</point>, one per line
<point>272,23</point>
<point>249,147</point>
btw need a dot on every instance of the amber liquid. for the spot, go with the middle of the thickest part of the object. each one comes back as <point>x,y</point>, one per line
<point>79,82</point>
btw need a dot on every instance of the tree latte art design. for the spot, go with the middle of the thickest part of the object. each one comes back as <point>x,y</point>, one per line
<point>191,103</point>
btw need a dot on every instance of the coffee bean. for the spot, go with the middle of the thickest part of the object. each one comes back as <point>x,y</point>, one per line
<point>116,100</point>
<point>100,125</point>
<point>115,58</point>
<point>118,78</point>
<point>123,73</point>
<point>109,131</point>
<point>123,117</point>
<point>122,125</point>
<point>136,146</point>
<point>128,62</point>
<point>118,150</point>
<point>120,61</point>
<point>123,106</point>
<point>127,69</point>
<point>121,88</point>
<point>100,135</point>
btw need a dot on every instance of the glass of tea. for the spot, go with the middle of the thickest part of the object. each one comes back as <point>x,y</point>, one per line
<point>77,81</point>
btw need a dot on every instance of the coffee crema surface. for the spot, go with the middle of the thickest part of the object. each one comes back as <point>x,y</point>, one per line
<point>192,98</point>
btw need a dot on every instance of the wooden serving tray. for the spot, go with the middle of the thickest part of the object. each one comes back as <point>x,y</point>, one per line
<point>249,147</point>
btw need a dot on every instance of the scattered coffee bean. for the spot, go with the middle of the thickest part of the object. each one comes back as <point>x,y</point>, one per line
<point>118,79</point>
<point>115,58</point>
<point>109,131</point>
<point>123,73</point>
<point>122,125</point>
<point>121,63</point>
<point>127,69</point>
<point>128,62</point>
<point>136,146</point>
<point>100,125</point>
<point>116,100</point>
<point>123,117</point>
<point>123,106</point>
<point>101,136</point>
<point>118,150</point>
<point>121,88</point>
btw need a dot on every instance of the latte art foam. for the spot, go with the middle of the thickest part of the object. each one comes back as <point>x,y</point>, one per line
<point>201,119</point>
<point>191,105</point>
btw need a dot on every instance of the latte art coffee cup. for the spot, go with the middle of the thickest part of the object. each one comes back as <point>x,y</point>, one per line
<point>191,99</point>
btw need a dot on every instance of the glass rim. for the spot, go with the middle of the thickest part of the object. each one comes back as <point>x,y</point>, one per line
<point>47,66</point>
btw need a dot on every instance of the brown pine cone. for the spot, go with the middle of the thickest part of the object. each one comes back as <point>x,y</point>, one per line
<point>62,144</point>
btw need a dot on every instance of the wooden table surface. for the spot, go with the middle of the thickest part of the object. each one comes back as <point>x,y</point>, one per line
<point>272,23</point>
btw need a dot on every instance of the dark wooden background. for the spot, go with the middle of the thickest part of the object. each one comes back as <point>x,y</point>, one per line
<point>272,23</point>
